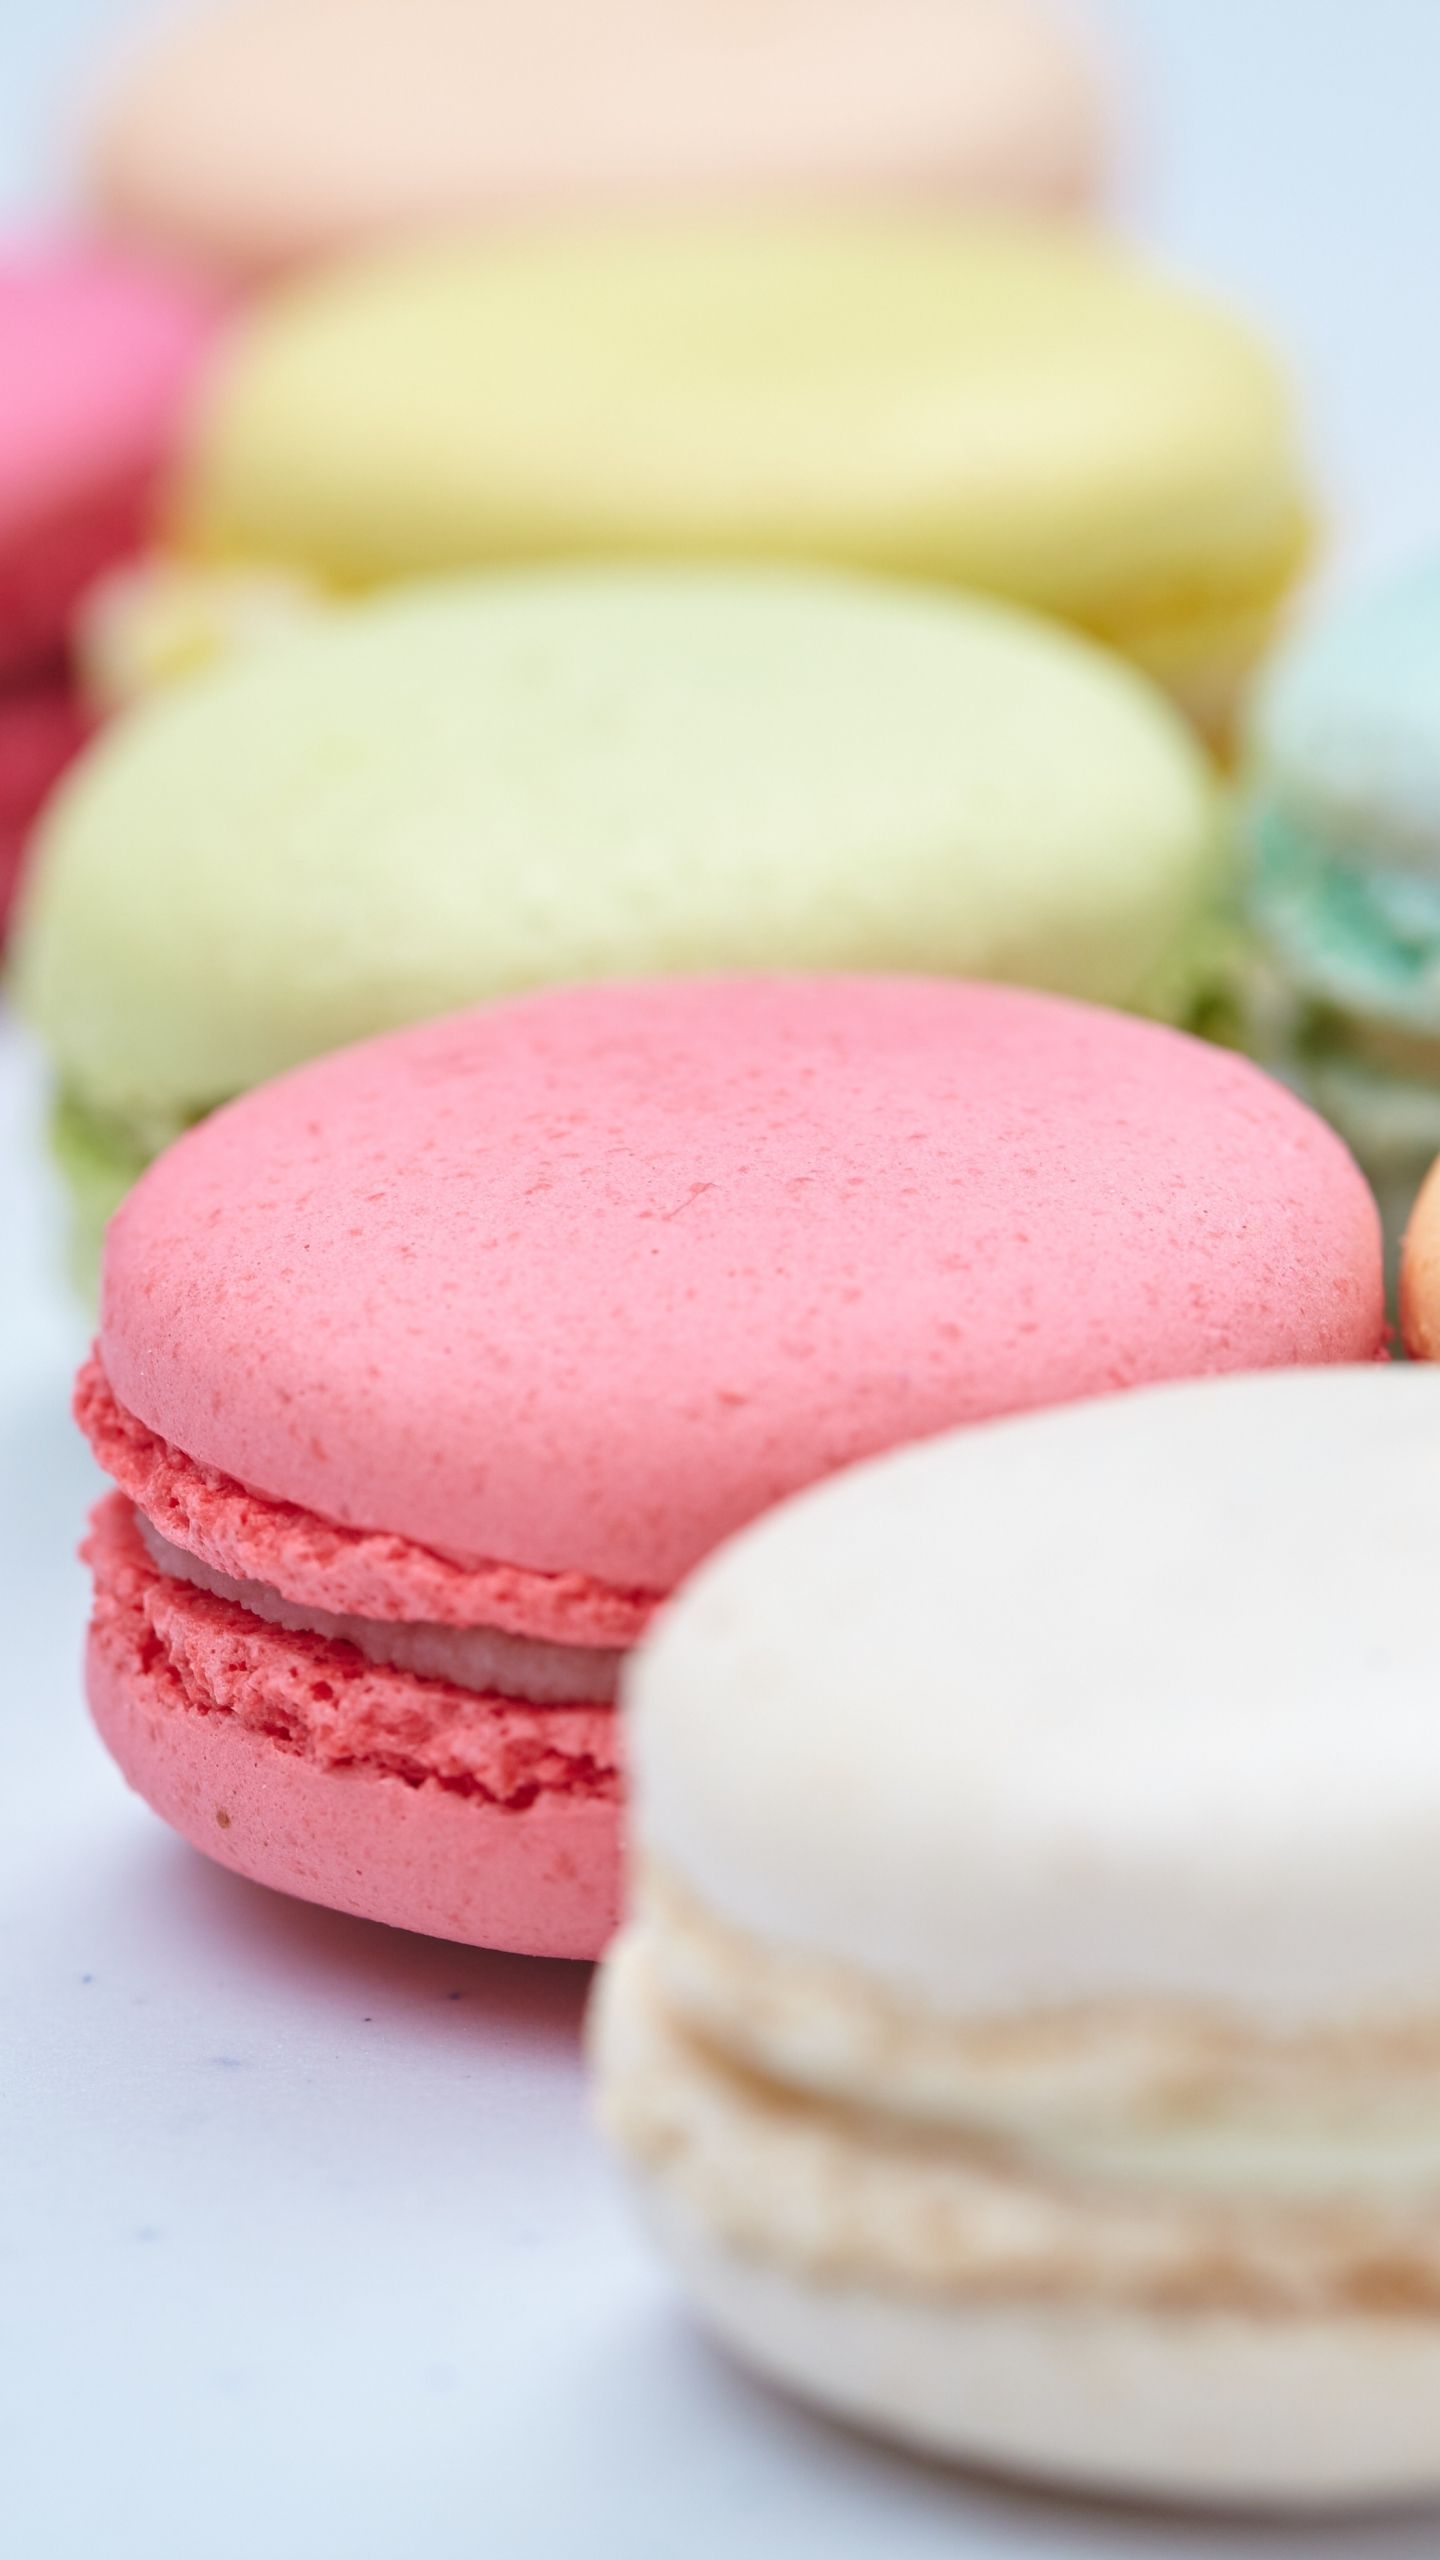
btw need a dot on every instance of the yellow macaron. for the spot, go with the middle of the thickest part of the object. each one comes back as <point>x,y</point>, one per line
<point>1010,407</point>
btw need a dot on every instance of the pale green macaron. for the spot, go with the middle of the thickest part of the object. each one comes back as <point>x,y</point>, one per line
<point>460,791</point>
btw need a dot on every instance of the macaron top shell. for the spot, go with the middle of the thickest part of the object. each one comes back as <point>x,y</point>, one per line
<point>96,356</point>
<point>585,1282</point>
<point>254,134</point>
<point>1011,407</point>
<point>437,798</point>
<point>1129,1704</point>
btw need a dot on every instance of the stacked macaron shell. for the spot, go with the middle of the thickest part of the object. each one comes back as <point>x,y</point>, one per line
<point>1026,412</point>
<point>1028,2037</point>
<point>425,1373</point>
<point>444,796</point>
<point>96,356</point>
<point>1343,825</point>
<point>251,135</point>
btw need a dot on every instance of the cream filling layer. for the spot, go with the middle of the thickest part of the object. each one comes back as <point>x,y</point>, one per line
<point>1126,2095</point>
<point>483,1659</point>
<point>843,2195</point>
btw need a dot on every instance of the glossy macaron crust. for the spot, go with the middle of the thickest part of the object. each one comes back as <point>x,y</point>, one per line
<point>1028,2037</point>
<point>1026,411</point>
<point>494,1328</point>
<point>1343,833</point>
<point>251,135</point>
<point>440,797</point>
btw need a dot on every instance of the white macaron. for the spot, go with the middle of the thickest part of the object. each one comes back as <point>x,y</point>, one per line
<point>1027,2037</point>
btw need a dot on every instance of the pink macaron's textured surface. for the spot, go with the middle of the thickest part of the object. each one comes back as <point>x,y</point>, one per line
<point>42,725</point>
<point>96,358</point>
<point>304,1767</point>
<point>583,1283</point>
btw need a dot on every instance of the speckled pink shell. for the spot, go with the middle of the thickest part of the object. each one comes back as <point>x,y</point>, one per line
<point>584,1282</point>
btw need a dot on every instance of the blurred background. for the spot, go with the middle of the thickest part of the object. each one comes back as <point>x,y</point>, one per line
<point>1282,149</point>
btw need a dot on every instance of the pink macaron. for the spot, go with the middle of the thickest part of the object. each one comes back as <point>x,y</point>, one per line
<point>428,1371</point>
<point>97,356</point>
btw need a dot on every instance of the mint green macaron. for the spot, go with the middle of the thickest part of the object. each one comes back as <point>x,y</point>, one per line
<point>1342,830</point>
<point>464,790</point>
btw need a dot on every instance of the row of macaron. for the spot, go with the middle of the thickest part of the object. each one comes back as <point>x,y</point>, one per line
<point>1027,412</point>
<point>1024,2031</point>
<point>1029,415</point>
<point>459,789</point>
<point>806,1407</point>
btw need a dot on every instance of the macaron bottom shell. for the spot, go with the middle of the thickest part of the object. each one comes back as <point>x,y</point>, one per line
<point>1218,2411</point>
<point>1063,2364</point>
<point>537,1875</point>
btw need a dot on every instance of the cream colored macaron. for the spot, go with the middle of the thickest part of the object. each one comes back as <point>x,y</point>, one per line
<point>1027,2039</point>
<point>254,133</point>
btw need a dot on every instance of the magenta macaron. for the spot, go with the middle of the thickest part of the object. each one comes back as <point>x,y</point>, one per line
<point>97,356</point>
<point>425,1374</point>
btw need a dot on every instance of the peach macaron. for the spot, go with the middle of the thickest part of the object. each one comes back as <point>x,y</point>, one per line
<point>259,133</point>
<point>1420,1273</point>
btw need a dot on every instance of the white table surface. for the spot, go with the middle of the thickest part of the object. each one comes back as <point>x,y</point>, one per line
<point>306,2252</point>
